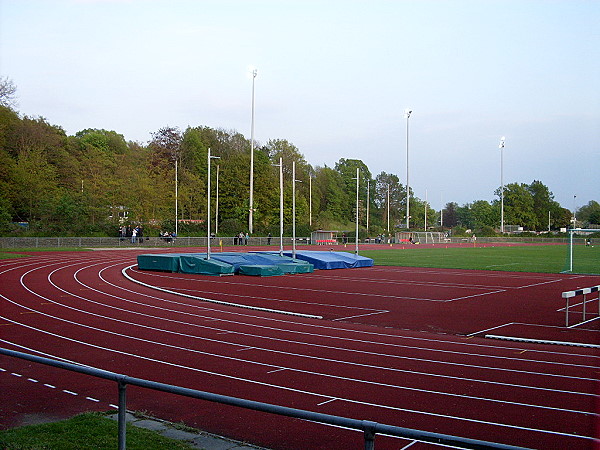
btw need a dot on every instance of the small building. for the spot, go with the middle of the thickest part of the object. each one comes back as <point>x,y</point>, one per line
<point>321,237</point>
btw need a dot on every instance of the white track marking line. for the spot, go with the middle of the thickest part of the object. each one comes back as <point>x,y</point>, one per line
<point>301,391</point>
<point>330,328</point>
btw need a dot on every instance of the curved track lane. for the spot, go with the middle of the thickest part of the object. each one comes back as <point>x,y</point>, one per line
<point>79,307</point>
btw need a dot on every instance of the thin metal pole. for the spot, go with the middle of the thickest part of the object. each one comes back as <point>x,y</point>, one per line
<point>122,415</point>
<point>388,208</point>
<point>217,204</point>
<point>310,200</point>
<point>250,220</point>
<point>502,184</point>
<point>368,195</point>
<point>293,209</point>
<point>176,213</point>
<point>407,113</point>
<point>356,236</point>
<point>280,206</point>
<point>208,213</point>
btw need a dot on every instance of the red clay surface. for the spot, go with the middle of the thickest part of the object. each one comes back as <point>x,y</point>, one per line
<point>400,346</point>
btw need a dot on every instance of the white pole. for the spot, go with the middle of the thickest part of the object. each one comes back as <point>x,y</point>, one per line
<point>217,204</point>
<point>356,236</point>
<point>176,213</point>
<point>407,113</point>
<point>388,208</point>
<point>502,184</point>
<point>310,200</point>
<point>368,194</point>
<point>208,208</point>
<point>251,210</point>
<point>294,209</point>
<point>280,207</point>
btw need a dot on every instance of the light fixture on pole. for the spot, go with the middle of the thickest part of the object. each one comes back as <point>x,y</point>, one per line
<point>407,113</point>
<point>208,208</point>
<point>294,208</point>
<point>251,209</point>
<point>501,147</point>
<point>280,165</point>
<point>356,231</point>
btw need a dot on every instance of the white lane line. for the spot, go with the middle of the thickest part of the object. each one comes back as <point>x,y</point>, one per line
<point>327,401</point>
<point>33,380</point>
<point>92,399</point>
<point>435,350</point>
<point>69,392</point>
<point>49,386</point>
<point>16,374</point>
<point>339,378</point>
<point>330,328</point>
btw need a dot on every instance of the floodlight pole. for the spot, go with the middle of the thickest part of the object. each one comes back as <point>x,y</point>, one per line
<point>208,208</point>
<point>251,210</point>
<point>501,146</point>
<point>280,165</point>
<point>407,113</point>
<point>356,236</point>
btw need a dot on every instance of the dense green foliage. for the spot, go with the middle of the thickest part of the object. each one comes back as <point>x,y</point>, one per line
<point>90,183</point>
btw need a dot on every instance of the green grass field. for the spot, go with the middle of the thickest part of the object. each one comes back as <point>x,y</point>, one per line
<point>534,258</point>
<point>86,431</point>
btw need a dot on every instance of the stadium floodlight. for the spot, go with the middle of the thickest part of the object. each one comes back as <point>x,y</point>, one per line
<point>208,208</point>
<point>501,147</point>
<point>253,71</point>
<point>407,113</point>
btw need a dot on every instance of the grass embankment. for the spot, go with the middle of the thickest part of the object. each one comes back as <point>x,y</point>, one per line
<point>518,258</point>
<point>85,431</point>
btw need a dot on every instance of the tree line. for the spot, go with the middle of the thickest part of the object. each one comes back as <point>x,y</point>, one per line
<point>92,182</point>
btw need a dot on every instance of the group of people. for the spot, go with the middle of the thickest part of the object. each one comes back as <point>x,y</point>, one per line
<point>135,234</point>
<point>241,239</point>
<point>168,237</point>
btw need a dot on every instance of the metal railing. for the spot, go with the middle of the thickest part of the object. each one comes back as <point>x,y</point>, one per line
<point>369,429</point>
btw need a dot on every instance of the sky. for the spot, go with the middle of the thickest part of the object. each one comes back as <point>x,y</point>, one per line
<point>333,78</point>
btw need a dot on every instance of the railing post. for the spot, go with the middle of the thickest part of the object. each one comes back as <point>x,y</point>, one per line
<point>122,415</point>
<point>369,431</point>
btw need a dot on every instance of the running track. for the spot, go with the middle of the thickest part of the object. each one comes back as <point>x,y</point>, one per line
<point>383,351</point>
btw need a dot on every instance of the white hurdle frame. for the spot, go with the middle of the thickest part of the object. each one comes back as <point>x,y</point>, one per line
<point>585,291</point>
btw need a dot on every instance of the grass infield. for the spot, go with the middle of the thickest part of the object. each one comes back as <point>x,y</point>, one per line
<point>518,258</point>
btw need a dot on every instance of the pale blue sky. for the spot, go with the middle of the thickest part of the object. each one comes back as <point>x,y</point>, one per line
<point>334,78</point>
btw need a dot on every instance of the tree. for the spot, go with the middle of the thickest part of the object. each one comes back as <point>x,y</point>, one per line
<point>518,206</point>
<point>8,92</point>
<point>450,214</point>
<point>590,213</point>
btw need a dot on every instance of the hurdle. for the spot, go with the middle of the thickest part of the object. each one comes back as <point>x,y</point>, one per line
<point>585,291</point>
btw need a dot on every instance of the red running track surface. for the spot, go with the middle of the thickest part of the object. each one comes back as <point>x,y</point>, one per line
<point>395,345</point>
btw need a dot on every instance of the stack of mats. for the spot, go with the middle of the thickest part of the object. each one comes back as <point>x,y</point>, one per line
<point>332,260</point>
<point>224,264</point>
